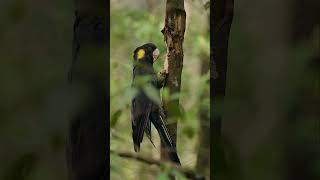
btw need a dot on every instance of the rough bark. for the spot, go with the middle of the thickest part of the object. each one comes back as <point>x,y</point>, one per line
<point>173,31</point>
<point>86,148</point>
<point>221,22</point>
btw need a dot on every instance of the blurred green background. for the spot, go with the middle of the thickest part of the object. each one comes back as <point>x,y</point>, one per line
<point>134,23</point>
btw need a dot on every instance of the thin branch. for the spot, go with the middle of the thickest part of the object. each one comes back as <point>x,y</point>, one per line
<point>188,173</point>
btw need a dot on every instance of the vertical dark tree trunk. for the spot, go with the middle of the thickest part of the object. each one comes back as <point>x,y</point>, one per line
<point>257,132</point>
<point>303,152</point>
<point>86,149</point>
<point>221,20</point>
<point>173,32</point>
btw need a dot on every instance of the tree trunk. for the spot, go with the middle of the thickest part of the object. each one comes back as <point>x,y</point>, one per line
<point>173,32</point>
<point>86,148</point>
<point>302,152</point>
<point>256,127</point>
<point>222,19</point>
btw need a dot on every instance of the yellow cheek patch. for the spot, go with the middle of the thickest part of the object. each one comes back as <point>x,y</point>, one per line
<point>140,54</point>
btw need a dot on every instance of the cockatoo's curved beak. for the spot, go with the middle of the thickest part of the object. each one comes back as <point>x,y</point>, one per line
<point>155,54</point>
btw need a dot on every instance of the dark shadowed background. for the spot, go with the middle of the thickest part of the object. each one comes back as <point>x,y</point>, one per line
<point>36,100</point>
<point>270,123</point>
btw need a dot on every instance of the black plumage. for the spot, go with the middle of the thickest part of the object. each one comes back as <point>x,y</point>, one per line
<point>144,110</point>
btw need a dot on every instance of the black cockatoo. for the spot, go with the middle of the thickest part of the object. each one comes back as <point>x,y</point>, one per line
<point>144,110</point>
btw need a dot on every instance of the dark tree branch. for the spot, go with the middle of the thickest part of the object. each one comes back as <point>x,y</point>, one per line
<point>188,173</point>
<point>86,142</point>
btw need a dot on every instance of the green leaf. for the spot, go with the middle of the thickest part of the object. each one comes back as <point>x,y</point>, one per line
<point>176,111</point>
<point>175,96</point>
<point>129,93</point>
<point>115,65</point>
<point>178,175</point>
<point>115,117</point>
<point>165,94</point>
<point>207,5</point>
<point>152,93</point>
<point>162,176</point>
<point>188,131</point>
<point>141,81</point>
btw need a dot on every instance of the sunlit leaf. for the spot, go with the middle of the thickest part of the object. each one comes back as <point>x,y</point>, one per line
<point>165,94</point>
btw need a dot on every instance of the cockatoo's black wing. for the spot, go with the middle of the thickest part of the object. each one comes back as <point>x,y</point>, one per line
<point>140,111</point>
<point>157,120</point>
